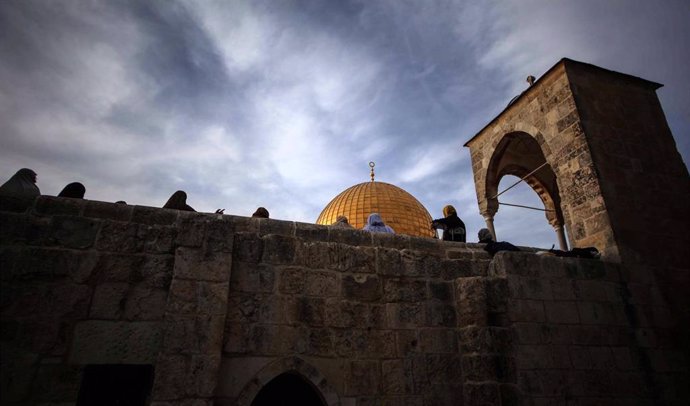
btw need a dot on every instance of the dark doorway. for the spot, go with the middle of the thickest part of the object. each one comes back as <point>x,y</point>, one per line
<point>286,390</point>
<point>115,385</point>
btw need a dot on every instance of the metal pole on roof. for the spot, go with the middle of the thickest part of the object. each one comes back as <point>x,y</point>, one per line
<point>525,207</point>
<point>522,179</point>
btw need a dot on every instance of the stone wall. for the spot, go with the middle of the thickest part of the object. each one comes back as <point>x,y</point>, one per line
<point>220,305</point>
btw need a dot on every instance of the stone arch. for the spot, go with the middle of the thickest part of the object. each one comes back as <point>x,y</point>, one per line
<point>519,153</point>
<point>289,365</point>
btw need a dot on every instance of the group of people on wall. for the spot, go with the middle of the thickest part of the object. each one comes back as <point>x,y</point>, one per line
<point>23,186</point>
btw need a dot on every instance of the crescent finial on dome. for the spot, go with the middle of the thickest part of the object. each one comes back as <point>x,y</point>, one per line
<point>372,165</point>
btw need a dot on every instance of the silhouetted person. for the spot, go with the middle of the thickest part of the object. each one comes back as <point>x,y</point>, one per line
<point>261,213</point>
<point>375,224</point>
<point>21,186</point>
<point>74,190</point>
<point>342,222</point>
<point>453,228</point>
<point>121,202</point>
<point>178,201</point>
<point>492,247</point>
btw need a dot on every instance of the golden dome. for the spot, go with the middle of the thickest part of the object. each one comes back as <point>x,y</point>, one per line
<point>398,208</point>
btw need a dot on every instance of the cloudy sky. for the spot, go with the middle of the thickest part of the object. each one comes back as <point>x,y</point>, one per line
<point>282,104</point>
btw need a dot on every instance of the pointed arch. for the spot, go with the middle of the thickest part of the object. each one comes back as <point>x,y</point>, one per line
<point>518,153</point>
<point>289,370</point>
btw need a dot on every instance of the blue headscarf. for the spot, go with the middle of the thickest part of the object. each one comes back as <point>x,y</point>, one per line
<point>375,224</point>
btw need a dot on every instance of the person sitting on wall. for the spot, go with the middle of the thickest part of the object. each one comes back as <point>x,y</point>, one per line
<point>261,213</point>
<point>21,186</point>
<point>375,224</point>
<point>492,247</point>
<point>74,190</point>
<point>453,228</point>
<point>178,201</point>
<point>342,222</point>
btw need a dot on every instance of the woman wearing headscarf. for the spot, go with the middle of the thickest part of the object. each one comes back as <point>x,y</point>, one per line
<point>453,228</point>
<point>74,190</point>
<point>375,224</point>
<point>261,213</point>
<point>22,185</point>
<point>341,222</point>
<point>178,201</point>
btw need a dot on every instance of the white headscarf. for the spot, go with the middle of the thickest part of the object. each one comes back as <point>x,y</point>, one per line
<point>21,185</point>
<point>375,224</point>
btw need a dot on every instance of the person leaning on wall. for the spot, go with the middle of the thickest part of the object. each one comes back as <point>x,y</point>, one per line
<point>453,228</point>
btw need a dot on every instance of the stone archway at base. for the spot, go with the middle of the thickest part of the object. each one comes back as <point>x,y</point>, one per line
<point>288,389</point>
<point>287,372</point>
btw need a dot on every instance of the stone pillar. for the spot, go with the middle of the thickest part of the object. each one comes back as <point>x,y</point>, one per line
<point>490,225</point>
<point>562,242</point>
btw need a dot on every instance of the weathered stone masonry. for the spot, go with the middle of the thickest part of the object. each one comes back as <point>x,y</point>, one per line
<point>220,305</point>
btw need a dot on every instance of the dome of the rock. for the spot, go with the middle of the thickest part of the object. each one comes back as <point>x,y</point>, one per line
<point>398,208</point>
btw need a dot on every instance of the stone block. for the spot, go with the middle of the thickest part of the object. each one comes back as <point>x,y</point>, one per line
<point>15,228</point>
<point>244,308</point>
<point>55,384</point>
<point>440,314</point>
<point>250,277</point>
<point>420,263</point>
<point>237,338</point>
<point>278,249</point>
<point>389,262</point>
<point>74,232</point>
<point>526,310</point>
<point>108,301</point>
<point>488,367</point>
<point>58,206</point>
<point>407,342</point>
<point>405,315</point>
<point>346,258</point>
<point>471,298</point>
<point>115,342</point>
<point>563,289</point>
<point>452,269</point>
<point>190,230</point>
<point>192,263</point>
<point>156,271</point>
<point>359,343</point>
<point>529,288</point>
<point>18,371</point>
<point>442,291</point>
<point>596,313</point>
<point>220,234</point>
<point>320,342</point>
<point>157,239</point>
<point>481,394</point>
<point>591,290</point>
<point>438,341</point>
<point>309,310</point>
<point>562,312</point>
<point>154,215</point>
<point>322,283</point>
<point>362,378</point>
<point>193,334</point>
<point>145,303</point>
<point>361,287</point>
<point>313,254</point>
<point>602,358</point>
<point>395,380</point>
<point>485,340</point>
<point>397,241</point>
<point>291,279</point>
<point>345,313</point>
<point>15,205</point>
<point>403,290</point>
<point>357,238</point>
<point>311,232</point>
<point>117,236</point>
<point>534,357</point>
<point>248,247</point>
<point>108,211</point>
